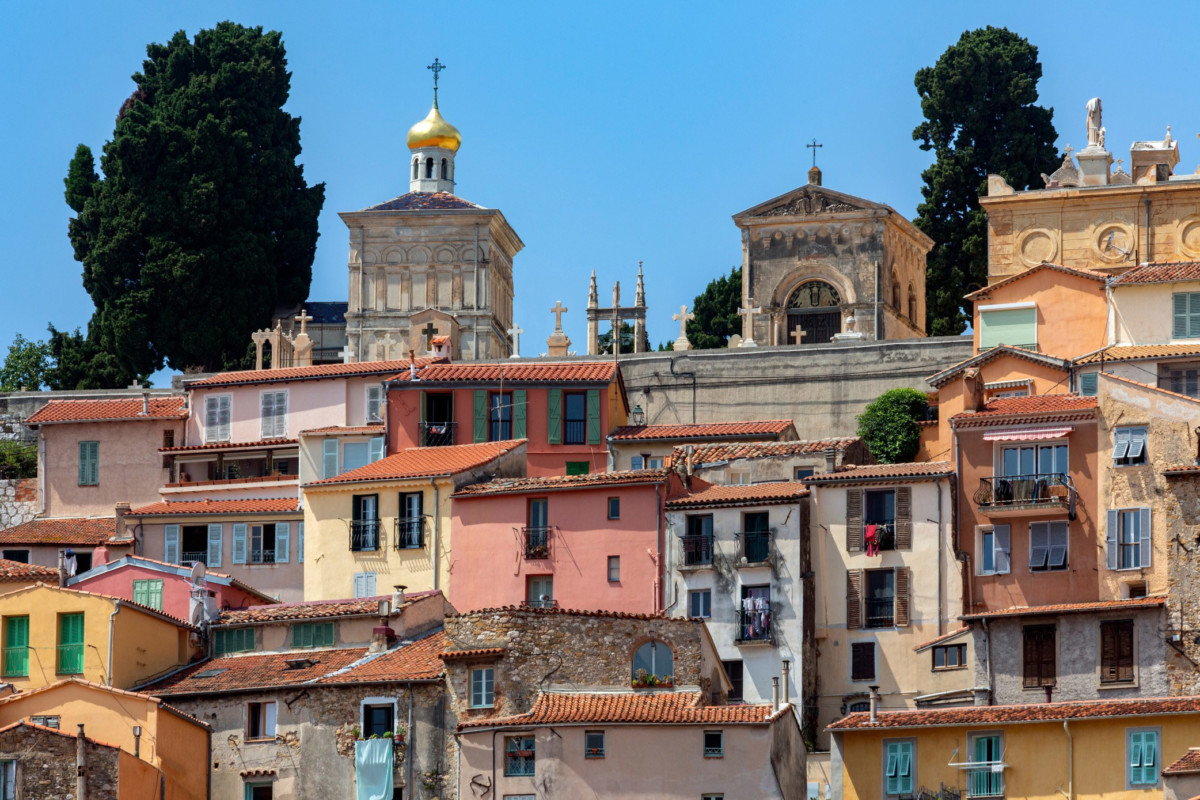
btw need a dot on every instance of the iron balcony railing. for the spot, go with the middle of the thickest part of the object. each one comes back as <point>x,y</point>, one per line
<point>574,431</point>
<point>1036,488</point>
<point>881,612</point>
<point>16,661</point>
<point>364,534</point>
<point>546,603</point>
<point>195,556</point>
<point>754,626</point>
<point>754,546</point>
<point>985,780</point>
<point>437,434</point>
<point>70,659</point>
<point>697,549</point>
<point>262,556</point>
<point>536,542</point>
<point>410,533</point>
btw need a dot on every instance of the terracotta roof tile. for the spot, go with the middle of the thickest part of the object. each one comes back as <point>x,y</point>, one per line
<point>715,453</point>
<point>343,430</point>
<point>312,609</point>
<point>991,354</point>
<point>520,372</point>
<point>1161,272</point>
<point>417,661</point>
<point>108,410</point>
<point>872,472</point>
<point>1182,470</point>
<point>213,446</point>
<point>241,672</point>
<point>425,462</point>
<point>1081,272</point>
<point>559,482</point>
<point>652,708</point>
<point>316,372</point>
<point>573,612</point>
<point>770,428</point>
<point>945,637</point>
<point>1060,406</point>
<point>477,653</point>
<point>1069,608</point>
<point>1030,712</point>
<point>19,572</point>
<point>272,505</point>
<point>1108,376</point>
<point>1189,764</point>
<point>1138,352</point>
<point>741,495</point>
<point>422,201</point>
<point>62,530</point>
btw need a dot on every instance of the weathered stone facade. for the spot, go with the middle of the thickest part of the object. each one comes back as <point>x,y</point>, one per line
<point>1181,504</point>
<point>46,764</point>
<point>18,501</point>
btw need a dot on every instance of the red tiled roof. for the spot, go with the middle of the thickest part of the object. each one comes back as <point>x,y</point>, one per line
<point>316,372</point>
<point>1136,352</point>
<point>517,372</point>
<point>992,353</point>
<point>411,662</point>
<point>740,495</point>
<point>1189,764</point>
<point>714,453</point>
<point>422,201</point>
<point>1161,272</point>
<point>272,505</point>
<point>261,443</point>
<point>1029,712</point>
<point>1069,608</point>
<point>1182,470</point>
<point>478,652</point>
<point>342,430</point>
<point>312,609</point>
<point>1078,271</point>
<point>61,530</point>
<point>877,472</point>
<point>241,672</point>
<point>711,430</point>
<point>560,482</point>
<point>425,462</point>
<point>945,637</point>
<point>108,410</point>
<point>652,708</point>
<point>1061,406</point>
<point>20,572</point>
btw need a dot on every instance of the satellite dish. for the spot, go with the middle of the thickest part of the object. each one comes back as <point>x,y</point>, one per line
<point>198,614</point>
<point>198,572</point>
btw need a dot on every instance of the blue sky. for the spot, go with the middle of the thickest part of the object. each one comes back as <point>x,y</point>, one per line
<point>606,132</point>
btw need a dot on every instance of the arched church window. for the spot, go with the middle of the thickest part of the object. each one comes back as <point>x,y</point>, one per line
<point>445,173</point>
<point>416,168</point>
<point>653,658</point>
<point>814,294</point>
<point>896,293</point>
<point>429,168</point>
<point>912,305</point>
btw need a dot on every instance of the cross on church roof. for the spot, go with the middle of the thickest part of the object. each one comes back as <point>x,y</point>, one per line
<point>814,147</point>
<point>429,331</point>
<point>558,310</point>
<point>435,67</point>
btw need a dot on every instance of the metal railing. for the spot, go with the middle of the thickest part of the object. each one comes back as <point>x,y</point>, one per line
<point>754,546</point>
<point>754,626</point>
<point>364,534</point>
<point>410,533</point>
<point>262,556</point>
<point>697,549</point>
<point>540,603</point>
<point>1034,488</point>
<point>881,612</point>
<point>536,542</point>
<point>195,557</point>
<point>437,434</point>
<point>574,431</point>
<point>16,661</point>
<point>983,781</point>
<point>70,659</point>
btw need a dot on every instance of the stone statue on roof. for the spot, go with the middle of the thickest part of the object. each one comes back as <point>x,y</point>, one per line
<point>1093,123</point>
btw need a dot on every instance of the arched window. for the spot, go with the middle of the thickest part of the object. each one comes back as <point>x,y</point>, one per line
<point>864,705</point>
<point>653,658</point>
<point>416,168</point>
<point>912,305</point>
<point>429,168</point>
<point>896,293</point>
<point>814,294</point>
<point>445,170</point>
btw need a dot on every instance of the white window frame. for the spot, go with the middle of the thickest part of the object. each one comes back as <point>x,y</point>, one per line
<point>707,603</point>
<point>1145,518</point>
<point>267,736</point>
<point>274,425</point>
<point>980,539</point>
<point>487,691</point>
<point>218,431</point>
<point>376,389</point>
<point>1127,446</point>
<point>378,701</point>
<point>739,477</point>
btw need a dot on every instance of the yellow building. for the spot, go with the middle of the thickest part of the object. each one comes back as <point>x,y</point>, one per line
<point>1114,749</point>
<point>50,634</point>
<point>144,726</point>
<point>388,523</point>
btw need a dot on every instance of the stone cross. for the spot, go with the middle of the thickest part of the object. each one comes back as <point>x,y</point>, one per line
<point>347,353</point>
<point>682,318</point>
<point>749,312</point>
<point>515,332</point>
<point>429,331</point>
<point>304,318</point>
<point>799,334</point>
<point>135,385</point>
<point>386,343</point>
<point>558,310</point>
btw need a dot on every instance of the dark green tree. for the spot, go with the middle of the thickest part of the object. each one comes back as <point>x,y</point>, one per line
<point>888,425</point>
<point>716,312</point>
<point>604,340</point>
<point>25,366</point>
<point>78,362</point>
<point>202,223</point>
<point>979,102</point>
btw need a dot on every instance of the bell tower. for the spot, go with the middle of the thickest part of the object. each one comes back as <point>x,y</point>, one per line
<point>433,143</point>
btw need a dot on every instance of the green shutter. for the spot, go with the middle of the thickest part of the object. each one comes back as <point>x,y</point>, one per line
<point>593,416</point>
<point>141,592</point>
<point>578,467</point>
<point>481,415</point>
<point>519,414</point>
<point>156,594</point>
<point>89,463</point>
<point>70,644</point>
<point>554,399</point>
<point>1088,384</point>
<point>16,646</point>
<point>1011,326</point>
<point>1179,309</point>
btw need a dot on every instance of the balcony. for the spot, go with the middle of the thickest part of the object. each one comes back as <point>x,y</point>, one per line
<point>754,627</point>
<point>536,542</point>
<point>410,533</point>
<point>574,431</point>
<point>881,612</point>
<point>437,434</point>
<point>754,548</point>
<point>697,550</point>
<point>1037,493</point>
<point>16,661</point>
<point>539,604</point>
<point>262,556</point>
<point>364,535</point>
<point>985,779</point>
<point>70,659</point>
<point>194,557</point>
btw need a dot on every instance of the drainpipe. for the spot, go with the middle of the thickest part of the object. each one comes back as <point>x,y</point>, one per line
<point>80,765</point>
<point>437,513</point>
<point>1070,762</point>
<point>411,748</point>
<point>42,472</point>
<point>787,693</point>
<point>941,556</point>
<point>112,618</point>
<point>775,694</point>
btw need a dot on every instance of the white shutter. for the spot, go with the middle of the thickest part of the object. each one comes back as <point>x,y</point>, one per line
<point>329,458</point>
<point>266,415</point>
<point>171,544</point>
<point>212,413</point>
<point>1144,545</point>
<point>281,404</point>
<point>215,534</point>
<point>239,543</point>
<point>269,711</point>
<point>1001,538</point>
<point>364,584</point>
<point>283,535</point>
<point>376,448</point>
<point>223,418</point>
<point>1111,535</point>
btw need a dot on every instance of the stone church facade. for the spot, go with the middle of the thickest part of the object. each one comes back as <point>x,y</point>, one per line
<point>814,259</point>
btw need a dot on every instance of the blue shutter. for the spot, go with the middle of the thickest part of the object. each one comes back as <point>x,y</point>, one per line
<point>1088,384</point>
<point>283,537</point>
<point>1145,550</point>
<point>329,458</point>
<point>171,544</point>
<point>1179,327</point>
<point>215,540</point>
<point>376,448</point>
<point>239,543</point>
<point>300,543</point>
<point>1113,526</point>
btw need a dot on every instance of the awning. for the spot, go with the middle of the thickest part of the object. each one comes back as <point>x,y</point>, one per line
<point>1027,434</point>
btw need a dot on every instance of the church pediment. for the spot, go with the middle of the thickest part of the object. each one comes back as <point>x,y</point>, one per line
<point>810,201</point>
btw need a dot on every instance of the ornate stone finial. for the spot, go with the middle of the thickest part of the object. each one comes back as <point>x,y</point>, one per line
<point>639,296</point>
<point>1067,153</point>
<point>515,332</point>
<point>594,294</point>
<point>1167,141</point>
<point>1093,122</point>
<point>617,295</point>
<point>558,310</point>
<point>851,322</point>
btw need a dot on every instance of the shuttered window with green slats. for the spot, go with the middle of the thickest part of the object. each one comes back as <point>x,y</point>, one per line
<point>149,593</point>
<point>16,646</point>
<point>70,644</point>
<point>89,463</point>
<point>1012,326</point>
<point>312,634</point>
<point>1185,307</point>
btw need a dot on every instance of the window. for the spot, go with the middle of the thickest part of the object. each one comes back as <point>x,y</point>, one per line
<point>1179,378</point>
<point>500,416</point>
<point>733,671</point>
<point>800,473</point>
<point>578,467</point>
<point>862,661</point>
<point>637,462</point>
<point>1047,546</point>
<point>712,797</point>
<point>700,603</point>
<point>70,644</point>
<point>216,418</point>
<point>714,744</point>
<point>756,537</point>
<point>260,721</point>
<point>82,561</point>
<point>364,584</point>
<point>898,767</point>
<point>614,569</point>
<point>1012,324</point>
<point>1185,308</point>
<point>260,791</point>
<point>614,508</point>
<point>364,523</point>
<point>410,527</point>
<point>312,634</point>
<point>574,417</point>
<point>21,556</point>
<point>149,593</point>
<point>985,777</point>
<point>593,744</point>
<point>698,541</point>
<point>950,656</point>
<point>653,658</point>
<point>355,455</point>
<point>519,755</point>
<point>994,550</point>
<point>879,517</point>
<point>262,544</point>
<point>483,681</point>
<point>1116,651</point>
<point>537,528</point>
<point>374,404</point>
<point>1144,756</point>
<point>378,719</point>
<point>429,168</point>
<point>859,707</point>
<point>739,477</point>
<point>1129,545</point>
<point>45,721</point>
<point>89,463</point>
<point>881,598</point>
<point>540,591</point>
<point>1129,446</point>
<point>273,416</point>
<point>754,617</point>
<point>16,646</point>
<point>8,779</point>
<point>1032,460</point>
<point>233,640</point>
<point>1040,656</point>
<point>1088,384</point>
<point>654,463</point>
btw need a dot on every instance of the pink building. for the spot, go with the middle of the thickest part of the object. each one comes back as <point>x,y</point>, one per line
<point>583,542</point>
<point>166,587</point>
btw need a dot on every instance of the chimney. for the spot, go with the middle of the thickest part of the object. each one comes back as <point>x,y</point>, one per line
<point>831,459</point>
<point>814,175</point>
<point>145,402</point>
<point>775,693</point>
<point>1049,693</point>
<point>412,365</point>
<point>382,635</point>
<point>80,765</point>
<point>137,741</point>
<point>121,532</point>
<point>874,702</point>
<point>687,461</point>
<point>398,596</point>
<point>787,692</point>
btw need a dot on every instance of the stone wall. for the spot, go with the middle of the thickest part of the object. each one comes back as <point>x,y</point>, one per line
<point>46,764</point>
<point>1182,512</point>
<point>18,501</point>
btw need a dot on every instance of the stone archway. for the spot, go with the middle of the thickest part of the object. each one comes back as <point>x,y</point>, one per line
<point>815,306</point>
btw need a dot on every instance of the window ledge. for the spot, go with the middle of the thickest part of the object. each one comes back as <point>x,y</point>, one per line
<point>248,740</point>
<point>949,669</point>
<point>1133,684</point>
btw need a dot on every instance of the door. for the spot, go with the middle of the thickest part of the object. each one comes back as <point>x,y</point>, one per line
<point>541,591</point>
<point>818,326</point>
<point>756,536</point>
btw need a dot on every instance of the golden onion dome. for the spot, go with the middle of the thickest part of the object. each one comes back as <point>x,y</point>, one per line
<point>434,131</point>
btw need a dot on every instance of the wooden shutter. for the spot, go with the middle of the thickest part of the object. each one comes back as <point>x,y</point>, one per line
<point>1124,645</point>
<point>239,543</point>
<point>1145,550</point>
<point>1108,652</point>
<point>283,542</point>
<point>593,416</point>
<point>171,544</point>
<point>300,543</point>
<point>854,520</point>
<point>215,536</point>
<point>854,581</point>
<point>1110,535</point>
<point>481,416</point>
<point>141,592</point>
<point>156,594</point>
<point>904,518</point>
<point>554,399</point>
<point>902,597</point>
<point>518,414</point>
<point>1179,328</point>
<point>84,470</point>
<point>1030,659</point>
